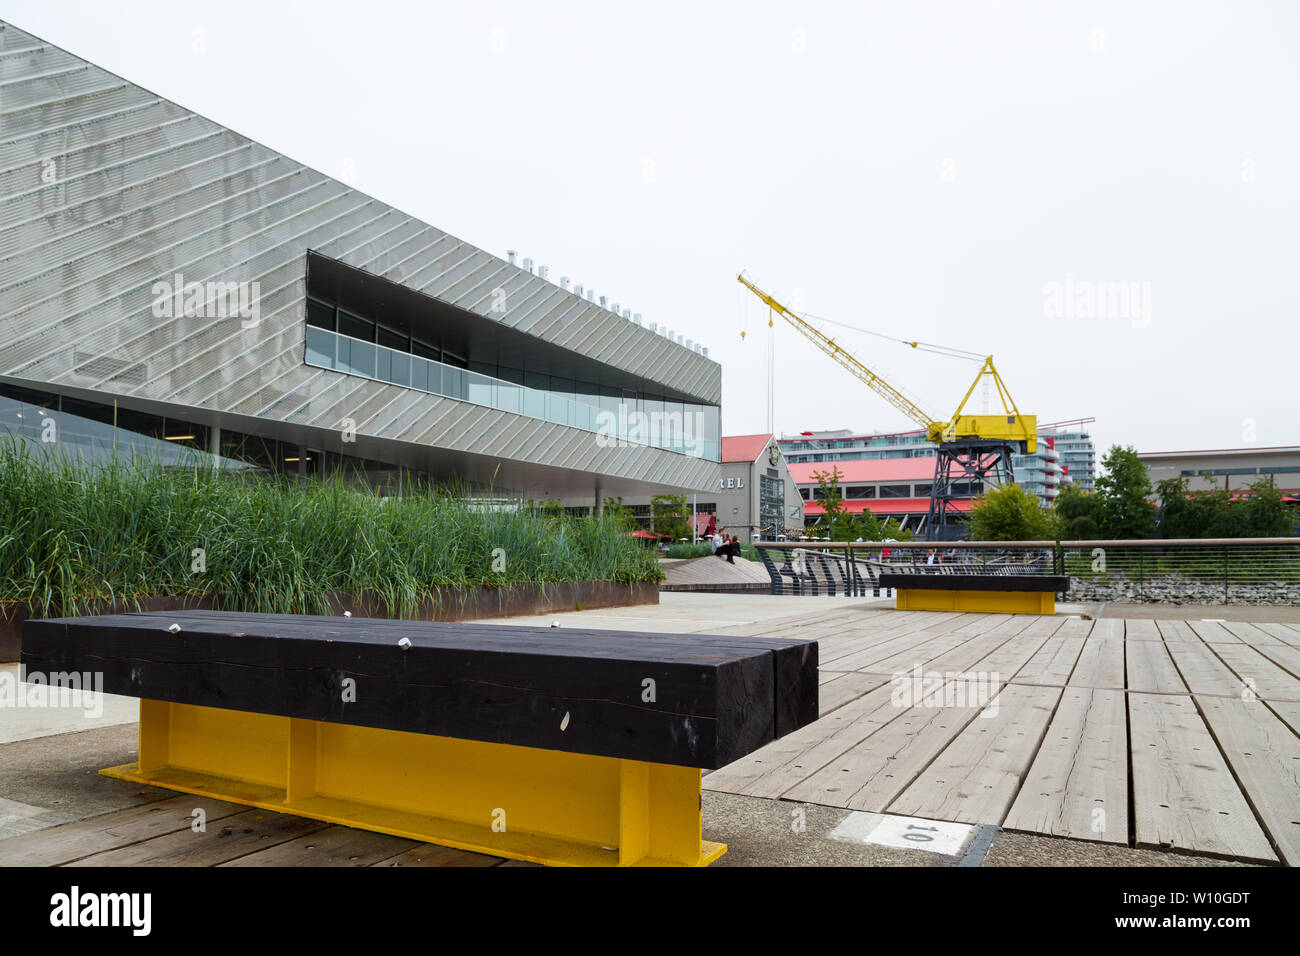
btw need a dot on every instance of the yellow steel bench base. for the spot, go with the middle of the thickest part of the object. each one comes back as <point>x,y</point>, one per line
<point>523,803</point>
<point>989,602</point>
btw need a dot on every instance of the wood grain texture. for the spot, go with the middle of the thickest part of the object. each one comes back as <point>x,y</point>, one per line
<point>1077,785</point>
<point>1184,795</point>
<point>976,778</point>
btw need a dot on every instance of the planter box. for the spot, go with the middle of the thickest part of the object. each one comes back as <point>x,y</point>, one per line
<point>443,604</point>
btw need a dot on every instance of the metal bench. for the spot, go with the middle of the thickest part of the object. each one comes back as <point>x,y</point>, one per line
<point>561,746</point>
<point>947,590</point>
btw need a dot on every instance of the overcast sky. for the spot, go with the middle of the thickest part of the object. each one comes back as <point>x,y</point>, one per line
<point>984,175</point>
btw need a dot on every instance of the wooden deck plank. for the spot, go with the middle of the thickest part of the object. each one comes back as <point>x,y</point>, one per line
<point>895,641</point>
<point>1248,633</point>
<point>1052,663</point>
<point>69,842</point>
<point>1183,792</point>
<point>738,776</point>
<point>1287,635</point>
<point>1201,670</point>
<point>844,688</point>
<point>228,838</point>
<point>333,846</point>
<point>783,769</point>
<point>1077,785</point>
<point>1283,655</point>
<point>430,854</point>
<point>872,712</point>
<point>1265,757</point>
<point>872,775</point>
<point>977,776</point>
<point>1101,662</point>
<point>1148,664</point>
<point>1257,672</point>
<point>1213,632</point>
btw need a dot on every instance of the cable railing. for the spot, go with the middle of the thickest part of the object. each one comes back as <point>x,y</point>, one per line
<point>1191,571</point>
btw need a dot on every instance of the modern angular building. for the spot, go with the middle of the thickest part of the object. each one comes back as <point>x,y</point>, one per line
<point>166,283</point>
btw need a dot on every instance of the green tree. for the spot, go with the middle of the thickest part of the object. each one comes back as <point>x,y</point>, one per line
<point>1123,491</point>
<point>836,523</point>
<point>1009,514</point>
<point>1264,512</point>
<point>1075,515</point>
<point>670,515</point>
<point>1194,514</point>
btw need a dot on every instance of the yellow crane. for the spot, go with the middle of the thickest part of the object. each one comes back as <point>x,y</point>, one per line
<point>971,447</point>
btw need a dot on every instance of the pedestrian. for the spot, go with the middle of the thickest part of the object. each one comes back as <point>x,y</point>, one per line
<point>718,542</point>
<point>732,548</point>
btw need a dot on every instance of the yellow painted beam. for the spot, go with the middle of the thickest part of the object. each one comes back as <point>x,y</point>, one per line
<point>523,803</point>
<point>988,602</point>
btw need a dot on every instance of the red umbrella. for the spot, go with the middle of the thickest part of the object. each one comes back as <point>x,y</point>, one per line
<point>641,533</point>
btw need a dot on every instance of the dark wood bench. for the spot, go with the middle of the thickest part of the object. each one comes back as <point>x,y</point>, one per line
<point>993,593</point>
<point>557,745</point>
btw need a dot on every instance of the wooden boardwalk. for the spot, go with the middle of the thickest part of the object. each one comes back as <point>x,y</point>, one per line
<point>163,833</point>
<point>1178,734</point>
<point>1165,734</point>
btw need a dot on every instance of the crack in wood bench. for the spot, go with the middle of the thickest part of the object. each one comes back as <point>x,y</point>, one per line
<point>556,745</point>
<point>985,593</point>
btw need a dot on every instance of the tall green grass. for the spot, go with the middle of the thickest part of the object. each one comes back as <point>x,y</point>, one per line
<point>74,535</point>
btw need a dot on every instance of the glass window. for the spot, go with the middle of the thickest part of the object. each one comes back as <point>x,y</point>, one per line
<point>509,396</point>
<point>356,357</point>
<point>481,390</point>
<point>401,368</point>
<point>320,314</point>
<point>453,382</point>
<point>895,491</point>
<point>394,340</point>
<point>610,398</point>
<point>558,409</point>
<point>420,374</point>
<point>320,347</point>
<point>424,350</point>
<point>534,403</point>
<point>562,386</point>
<point>356,327</point>
<point>386,368</point>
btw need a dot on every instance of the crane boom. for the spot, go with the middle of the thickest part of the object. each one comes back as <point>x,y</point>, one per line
<point>1011,426</point>
<point>827,345</point>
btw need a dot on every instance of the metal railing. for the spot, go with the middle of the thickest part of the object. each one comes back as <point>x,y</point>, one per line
<point>1192,570</point>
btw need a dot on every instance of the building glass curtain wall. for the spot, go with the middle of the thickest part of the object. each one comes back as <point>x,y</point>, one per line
<point>345,340</point>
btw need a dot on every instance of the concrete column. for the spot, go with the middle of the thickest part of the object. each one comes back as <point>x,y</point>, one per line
<point>599,510</point>
<point>214,443</point>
